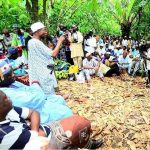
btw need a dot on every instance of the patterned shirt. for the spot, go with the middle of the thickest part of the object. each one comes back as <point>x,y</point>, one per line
<point>14,131</point>
<point>40,56</point>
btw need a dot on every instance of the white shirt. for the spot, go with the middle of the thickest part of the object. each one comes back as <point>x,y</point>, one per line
<point>90,45</point>
<point>119,52</point>
<point>124,60</point>
<point>148,61</point>
<point>91,63</point>
<point>125,42</point>
<point>39,57</point>
<point>102,51</point>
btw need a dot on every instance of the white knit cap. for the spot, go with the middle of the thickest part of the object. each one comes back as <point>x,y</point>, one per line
<point>37,26</point>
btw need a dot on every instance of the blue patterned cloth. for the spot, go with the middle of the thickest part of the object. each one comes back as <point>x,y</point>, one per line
<point>40,56</point>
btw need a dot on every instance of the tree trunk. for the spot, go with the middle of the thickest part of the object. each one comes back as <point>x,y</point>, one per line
<point>44,10</point>
<point>125,29</point>
<point>33,8</point>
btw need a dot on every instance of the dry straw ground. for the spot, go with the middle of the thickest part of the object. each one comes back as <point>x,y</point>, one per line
<point>119,110</point>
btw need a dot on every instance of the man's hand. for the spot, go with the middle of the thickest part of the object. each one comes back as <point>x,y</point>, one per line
<point>34,118</point>
<point>96,68</point>
<point>62,38</point>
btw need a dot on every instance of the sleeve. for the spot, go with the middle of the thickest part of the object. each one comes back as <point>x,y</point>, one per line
<point>84,62</point>
<point>14,40</point>
<point>22,111</point>
<point>119,59</point>
<point>95,62</point>
<point>148,54</point>
<point>80,37</point>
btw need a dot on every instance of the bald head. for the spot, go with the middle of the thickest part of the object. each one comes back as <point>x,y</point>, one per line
<point>5,105</point>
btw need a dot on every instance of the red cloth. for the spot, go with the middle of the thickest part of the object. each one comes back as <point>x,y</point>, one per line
<point>77,130</point>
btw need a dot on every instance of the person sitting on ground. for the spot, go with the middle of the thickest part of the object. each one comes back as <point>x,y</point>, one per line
<point>91,67</point>
<point>18,67</point>
<point>7,38</point>
<point>50,107</point>
<point>18,39</point>
<point>20,125</point>
<point>109,60</point>
<point>107,71</point>
<point>21,58</point>
<point>90,43</point>
<point>101,51</point>
<point>118,51</point>
<point>135,60</point>
<point>125,62</point>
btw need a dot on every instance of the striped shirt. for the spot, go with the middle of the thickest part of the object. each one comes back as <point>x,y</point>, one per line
<point>15,132</point>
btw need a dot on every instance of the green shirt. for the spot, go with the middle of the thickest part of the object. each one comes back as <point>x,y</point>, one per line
<point>19,40</point>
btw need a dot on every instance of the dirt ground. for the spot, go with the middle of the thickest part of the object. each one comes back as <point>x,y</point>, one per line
<point>119,110</point>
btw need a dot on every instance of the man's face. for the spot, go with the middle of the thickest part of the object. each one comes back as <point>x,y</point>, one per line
<point>124,54</point>
<point>6,33</point>
<point>5,103</point>
<point>107,45</point>
<point>42,32</point>
<point>89,57</point>
<point>18,31</point>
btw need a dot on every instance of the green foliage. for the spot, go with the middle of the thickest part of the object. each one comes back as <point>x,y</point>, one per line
<point>12,12</point>
<point>102,16</point>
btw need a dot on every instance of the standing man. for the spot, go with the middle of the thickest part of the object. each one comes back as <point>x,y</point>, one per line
<point>76,40</point>
<point>40,58</point>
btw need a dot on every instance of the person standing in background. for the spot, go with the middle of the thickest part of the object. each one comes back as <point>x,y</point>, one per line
<point>76,40</point>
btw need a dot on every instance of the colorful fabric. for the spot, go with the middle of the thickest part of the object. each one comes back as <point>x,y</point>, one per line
<point>20,71</point>
<point>16,128</point>
<point>40,56</point>
<point>19,40</point>
<point>5,66</point>
<point>50,107</point>
<point>74,132</point>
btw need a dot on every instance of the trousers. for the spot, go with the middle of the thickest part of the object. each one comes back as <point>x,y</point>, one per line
<point>77,61</point>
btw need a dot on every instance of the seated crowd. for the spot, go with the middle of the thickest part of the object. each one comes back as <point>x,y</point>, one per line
<point>29,106</point>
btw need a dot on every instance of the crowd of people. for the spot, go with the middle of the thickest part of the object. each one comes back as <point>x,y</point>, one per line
<point>30,108</point>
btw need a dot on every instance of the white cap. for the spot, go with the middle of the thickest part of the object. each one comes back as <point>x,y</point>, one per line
<point>108,53</point>
<point>88,54</point>
<point>117,46</point>
<point>37,26</point>
<point>101,44</point>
